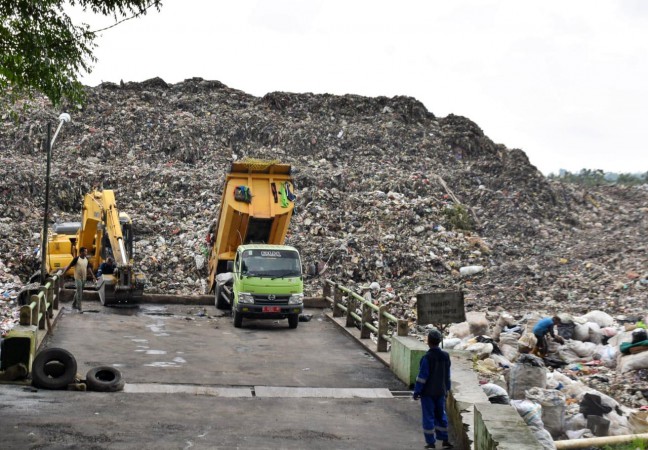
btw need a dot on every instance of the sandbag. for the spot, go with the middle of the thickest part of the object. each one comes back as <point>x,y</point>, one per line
<point>638,421</point>
<point>575,422</point>
<point>601,318</point>
<point>594,334</point>
<point>553,408</point>
<point>543,437</point>
<point>575,350</point>
<point>619,425</point>
<point>504,320</point>
<point>450,343</point>
<point>620,338</point>
<point>460,330</point>
<point>477,323</point>
<point>480,349</point>
<point>530,411</point>
<point>528,340</point>
<point>509,352</point>
<point>633,362</point>
<point>607,354</point>
<point>501,360</point>
<point>496,394</point>
<point>609,332</point>
<point>527,373</point>
<point>581,332</point>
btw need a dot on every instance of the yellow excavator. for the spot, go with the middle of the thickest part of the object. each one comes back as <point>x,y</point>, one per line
<point>104,232</point>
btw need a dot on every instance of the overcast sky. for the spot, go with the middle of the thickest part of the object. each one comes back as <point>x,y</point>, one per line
<point>565,81</point>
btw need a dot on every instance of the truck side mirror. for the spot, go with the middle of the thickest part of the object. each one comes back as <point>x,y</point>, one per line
<point>230,266</point>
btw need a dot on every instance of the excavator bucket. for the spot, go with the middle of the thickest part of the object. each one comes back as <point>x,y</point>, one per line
<point>121,289</point>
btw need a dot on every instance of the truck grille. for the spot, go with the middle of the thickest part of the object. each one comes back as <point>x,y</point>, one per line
<point>264,300</point>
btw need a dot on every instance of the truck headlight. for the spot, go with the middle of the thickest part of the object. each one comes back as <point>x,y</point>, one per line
<point>296,299</point>
<point>245,297</point>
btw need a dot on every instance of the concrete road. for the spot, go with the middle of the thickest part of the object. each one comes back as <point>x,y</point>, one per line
<point>195,381</point>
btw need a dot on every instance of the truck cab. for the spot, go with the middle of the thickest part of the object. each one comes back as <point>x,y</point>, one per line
<point>267,283</point>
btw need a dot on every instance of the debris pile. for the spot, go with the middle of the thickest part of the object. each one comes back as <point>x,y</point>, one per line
<point>600,371</point>
<point>388,195</point>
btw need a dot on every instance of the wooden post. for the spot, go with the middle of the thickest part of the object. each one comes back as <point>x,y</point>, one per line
<point>34,311</point>
<point>51,296</point>
<point>337,296</point>
<point>351,307</point>
<point>383,326</point>
<point>327,291</point>
<point>365,332</point>
<point>42,307</point>
<point>403,327</point>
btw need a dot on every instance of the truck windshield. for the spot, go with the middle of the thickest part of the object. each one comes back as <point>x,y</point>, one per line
<point>271,263</point>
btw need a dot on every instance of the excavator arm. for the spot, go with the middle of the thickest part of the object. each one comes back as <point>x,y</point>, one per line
<point>101,233</point>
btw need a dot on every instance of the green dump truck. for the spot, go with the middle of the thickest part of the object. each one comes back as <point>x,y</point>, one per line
<point>251,272</point>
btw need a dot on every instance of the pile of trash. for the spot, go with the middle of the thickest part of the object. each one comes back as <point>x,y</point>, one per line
<point>388,195</point>
<point>595,384</point>
<point>10,285</point>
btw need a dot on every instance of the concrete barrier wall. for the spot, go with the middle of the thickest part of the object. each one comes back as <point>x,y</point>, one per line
<point>475,423</point>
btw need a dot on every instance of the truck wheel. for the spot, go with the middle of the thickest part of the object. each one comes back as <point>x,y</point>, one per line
<point>293,320</point>
<point>220,302</point>
<point>104,379</point>
<point>45,374</point>
<point>238,319</point>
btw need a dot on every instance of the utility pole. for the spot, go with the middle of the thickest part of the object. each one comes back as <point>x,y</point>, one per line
<point>50,144</point>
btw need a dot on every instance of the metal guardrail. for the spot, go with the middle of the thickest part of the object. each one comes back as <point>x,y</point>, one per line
<point>41,307</point>
<point>335,294</point>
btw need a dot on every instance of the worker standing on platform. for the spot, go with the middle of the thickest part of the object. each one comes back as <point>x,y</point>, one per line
<point>432,386</point>
<point>81,269</point>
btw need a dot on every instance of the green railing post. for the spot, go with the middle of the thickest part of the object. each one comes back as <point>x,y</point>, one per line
<point>337,297</point>
<point>365,332</point>
<point>383,326</point>
<point>351,307</point>
<point>402,327</point>
<point>327,291</point>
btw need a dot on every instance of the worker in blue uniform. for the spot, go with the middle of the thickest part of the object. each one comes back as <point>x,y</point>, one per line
<point>543,328</point>
<point>432,386</point>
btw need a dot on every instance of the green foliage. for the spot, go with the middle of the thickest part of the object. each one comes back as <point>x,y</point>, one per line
<point>41,50</point>
<point>457,217</point>
<point>637,444</point>
<point>589,178</point>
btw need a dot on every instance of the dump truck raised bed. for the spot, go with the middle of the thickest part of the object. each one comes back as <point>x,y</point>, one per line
<point>251,272</point>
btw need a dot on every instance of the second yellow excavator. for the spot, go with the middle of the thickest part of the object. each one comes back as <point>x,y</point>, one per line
<point>105,232</point>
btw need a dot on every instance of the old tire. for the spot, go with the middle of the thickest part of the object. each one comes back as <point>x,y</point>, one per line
<point>238,319</point>
<point>104,379</point>
<point>54,369</point>
<point>293,320</point>
<point>46,370</point>
<point>220,302</point>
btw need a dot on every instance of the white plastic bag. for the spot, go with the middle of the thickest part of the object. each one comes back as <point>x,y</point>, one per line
<point>633,362</point>
<point>601,318</point>
<point>530,411</point>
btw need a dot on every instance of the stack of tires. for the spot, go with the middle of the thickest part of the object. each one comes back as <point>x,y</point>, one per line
<point>56,368</point>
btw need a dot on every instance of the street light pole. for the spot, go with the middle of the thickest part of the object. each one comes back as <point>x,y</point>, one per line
<point>50,144</point>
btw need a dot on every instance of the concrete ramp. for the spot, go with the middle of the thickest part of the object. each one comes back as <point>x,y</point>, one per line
<point>300,392</point>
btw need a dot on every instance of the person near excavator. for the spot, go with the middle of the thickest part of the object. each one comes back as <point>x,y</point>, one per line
<point>107,267</point>
<point>81,269</point>
<point>432,386</point>
<point>543,328</point>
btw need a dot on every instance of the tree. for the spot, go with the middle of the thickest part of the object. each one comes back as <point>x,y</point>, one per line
<point>41,50</point>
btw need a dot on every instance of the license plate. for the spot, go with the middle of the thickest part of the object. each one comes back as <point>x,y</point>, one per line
<point>271,309</point>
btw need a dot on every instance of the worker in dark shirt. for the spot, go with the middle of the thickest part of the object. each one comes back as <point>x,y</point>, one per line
<point>107,267</point>
<point>432,386</point>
